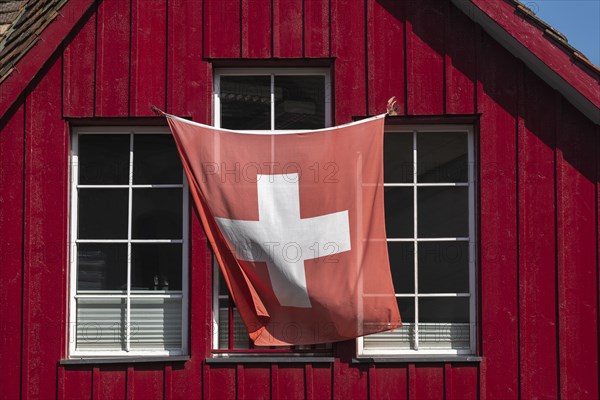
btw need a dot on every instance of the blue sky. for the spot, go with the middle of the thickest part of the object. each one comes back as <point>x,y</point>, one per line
<point>578,20</point>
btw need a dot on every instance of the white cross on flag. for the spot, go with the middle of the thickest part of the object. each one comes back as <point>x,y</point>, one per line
<point>296,222</point>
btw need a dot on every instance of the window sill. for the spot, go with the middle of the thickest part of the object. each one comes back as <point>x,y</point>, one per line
<point>418,359</point>
<point>123,360</point>
<point>285,359</point>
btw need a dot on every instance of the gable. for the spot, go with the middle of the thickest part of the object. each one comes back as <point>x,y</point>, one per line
<point>543,49</point>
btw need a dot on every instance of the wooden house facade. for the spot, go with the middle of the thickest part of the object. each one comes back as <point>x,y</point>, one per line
<point>532,104</point>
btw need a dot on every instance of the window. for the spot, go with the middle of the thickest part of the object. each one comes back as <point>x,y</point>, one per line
<point>429,203</point>
<point>129,213</point>
<point>430,224</point>
<point>263,99</point>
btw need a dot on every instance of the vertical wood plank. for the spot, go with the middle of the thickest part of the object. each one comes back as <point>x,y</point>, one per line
<point>482,393</point>
<point>194,377</point>
<point>12,143</point>
<point>464,382</point>
<point>79,70</point>
<point>130,382</point>
<point>112,59</point>
<point>290,382</point>
<point>189,83</point>
<point>459,63</point>
<point>148,381</point>
<point>350,94</point>
<point>223,382</point>
<point>537,246</point>
<point>498,218</point>
<point>319,380</point>
<point>205,382</point>
<point>577,275</point>
<point>111,382</point>
<point>78,383</point>
<point>256,382</point>
<point>316,28</point>
<point>256,28</point>
<point>274,378</point>
<point>45,219</point>
<point>429,382</point>
<point>95,383</point>
<point>287,29</point>
<point>385,41</point>
<point>392,382</point>
<point>148,42</point>
<point>425,62</point>
<point>222,29</point>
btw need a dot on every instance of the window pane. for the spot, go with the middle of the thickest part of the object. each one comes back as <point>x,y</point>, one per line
<point>222,284</point>
<point>399,212</point>
<point>246,102</point>
<point>157,213</point>
<point>155,160</point>
<point>444,267</point>
<point>299,102</point>
<point>103,159</point>
<point>155,324</point>
<point>156,267</point>
<point>103,213</point>
<point>101,266</point>
<point>406,305</point>
<point>398,157</point>
<point>444,309</point>
<point>442,157</point>
<point>443,212</point>
<point>241,339</point>
<point>100,324</point>
<point>444,336</point>
<point>402,264</point>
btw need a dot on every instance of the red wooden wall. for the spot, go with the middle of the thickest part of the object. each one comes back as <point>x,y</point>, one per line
<point>538,200</point>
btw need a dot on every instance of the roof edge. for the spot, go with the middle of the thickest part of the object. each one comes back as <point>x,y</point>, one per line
<point>590,107</point>
<point>28,66</point>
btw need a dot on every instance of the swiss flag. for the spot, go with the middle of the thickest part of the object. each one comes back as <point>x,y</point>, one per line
<point>296,221</point>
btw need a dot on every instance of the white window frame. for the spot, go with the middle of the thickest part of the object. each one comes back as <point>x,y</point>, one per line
<point>363,350</point>
<point>272,72</point>
<point>73,296</point>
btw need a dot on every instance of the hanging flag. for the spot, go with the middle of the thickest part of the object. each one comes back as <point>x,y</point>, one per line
<point>296,222</point>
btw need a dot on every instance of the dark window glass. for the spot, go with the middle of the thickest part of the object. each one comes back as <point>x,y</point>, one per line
<point>444,267</point>
<point>299,102</point>
<point>157,214</point>
<point>103,213</point>
<point>444,309</point>
<point>246,102</point>
<point>443,212</point>
<point>407,309</point>
<point>223,289</point>
<point>156,266</point>
<point>442,157</point>
<point>155,160</point>
<point>402,263</point>
<point>103,159</point>
<point>399,212</point>
<point>101,266</point>
<point>398,157</point>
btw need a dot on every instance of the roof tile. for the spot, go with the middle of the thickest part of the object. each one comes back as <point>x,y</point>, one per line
<point>29,20</point>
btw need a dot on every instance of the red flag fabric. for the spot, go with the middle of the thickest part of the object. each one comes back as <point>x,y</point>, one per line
<point>296,222</point>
